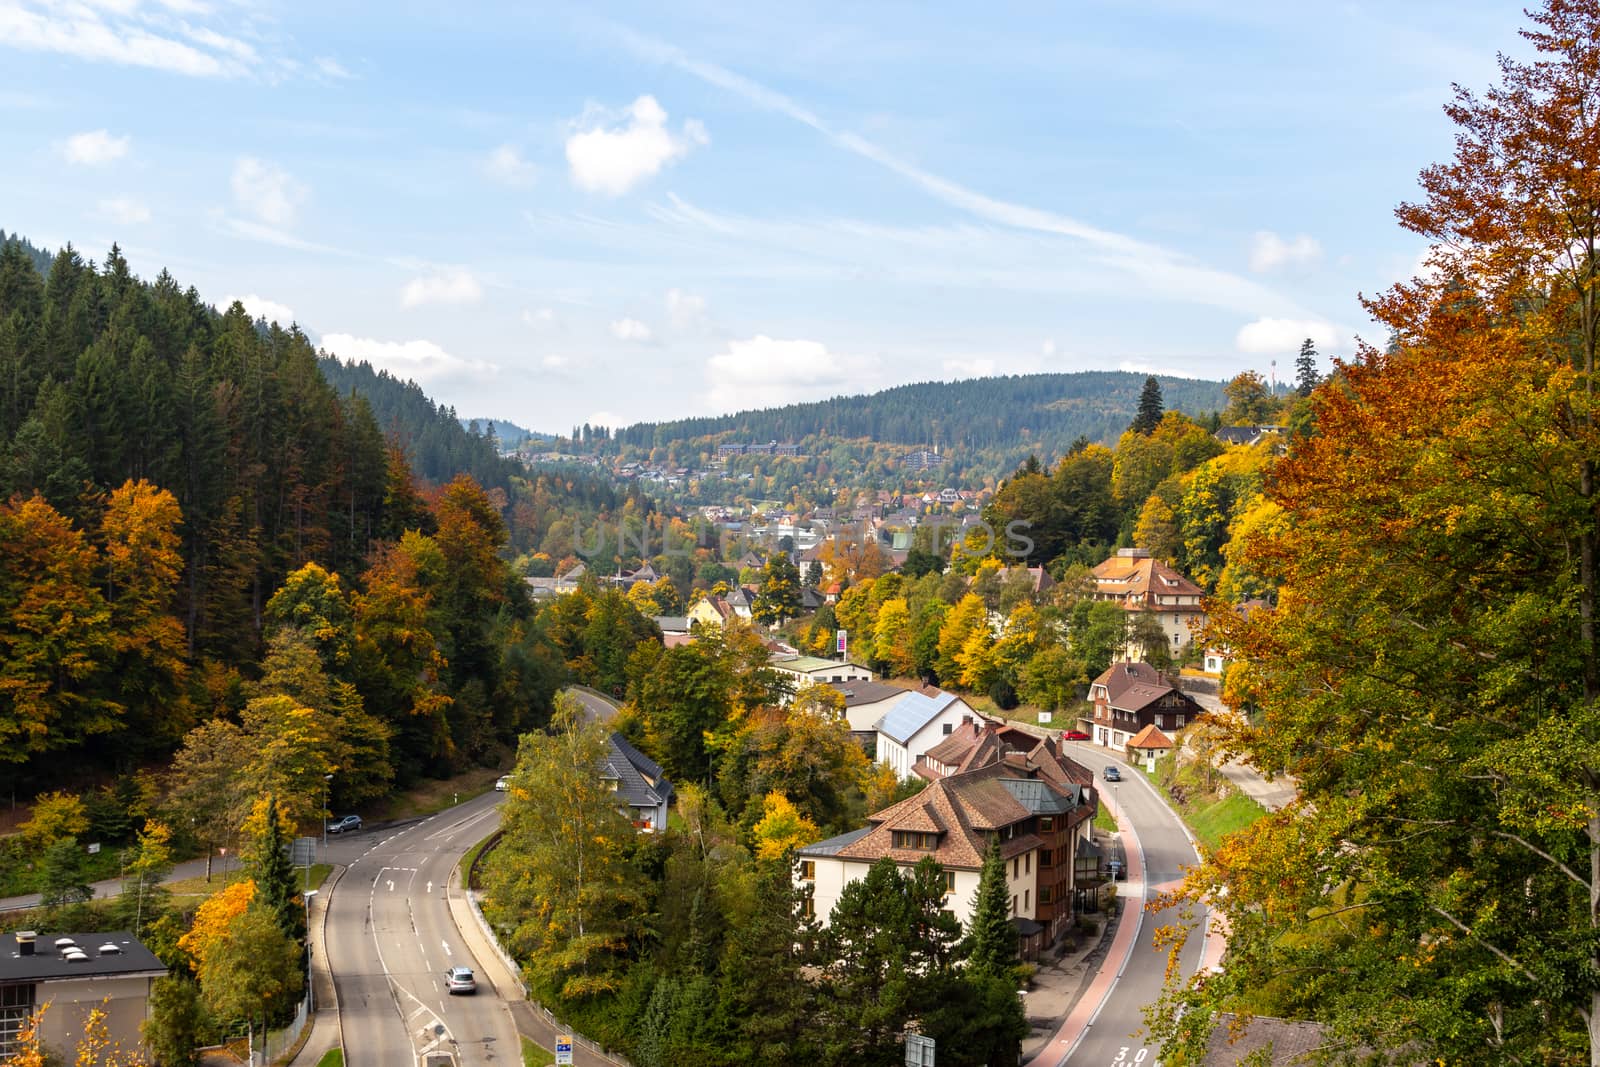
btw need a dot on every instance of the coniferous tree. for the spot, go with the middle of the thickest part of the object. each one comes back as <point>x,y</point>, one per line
<point>1305,366</point>
<point>273,870</point>
<point>991,939</point>
<point>1150,408</point>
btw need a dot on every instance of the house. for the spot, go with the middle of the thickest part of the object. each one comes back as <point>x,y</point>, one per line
<point>865,704</point>
<point>711,611</point>
<point>671,624</point>
<point>977,742</point>
<point>915,724</point>
<point>1035,818</point>
<point>742,600</point>
<point>643,791</point>
<point>803,670</point>
<point>1129,696</point>
<point>811,599</point>
<point>1149,745</point>
<point>1246,435</point>
<point>1139,583</point>
<point>72,974</point>
<point>922,459</point>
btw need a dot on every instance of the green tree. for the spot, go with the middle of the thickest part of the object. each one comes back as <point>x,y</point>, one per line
<point>992,940</point>
<point>779,597</point>
<point>253,971</point>
<point>766,1002</point>
<point>272,869</point>
<point>176,1023</point>
<point>1305,366</point>
<point>1150,408</point>
<point>560,885</point>
<point>1249,400</point>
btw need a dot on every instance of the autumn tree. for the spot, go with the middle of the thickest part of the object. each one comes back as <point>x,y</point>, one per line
<point>779,597</point>
<point>559,882</point>
<point>1430,672</point>
<point>781,829</point>
<point>1249,399</point>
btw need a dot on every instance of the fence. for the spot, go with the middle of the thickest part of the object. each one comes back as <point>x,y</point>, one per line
<point>276,1043</point>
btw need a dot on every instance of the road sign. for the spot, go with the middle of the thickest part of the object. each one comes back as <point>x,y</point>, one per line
<point>563,1049</point>
<point>303,852</point>
<point>842,642</point>
<point>919,1051</point>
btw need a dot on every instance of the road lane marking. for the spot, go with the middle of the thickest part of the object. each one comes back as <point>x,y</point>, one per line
<point>446,945</point>
<point>463,823</point>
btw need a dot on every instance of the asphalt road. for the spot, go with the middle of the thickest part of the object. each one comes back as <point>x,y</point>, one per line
<point>1113,1038</point>
<point>390,939</point>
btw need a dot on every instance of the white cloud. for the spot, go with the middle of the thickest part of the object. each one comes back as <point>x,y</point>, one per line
<point>606,418</point>
<point>267,191</point>
<point>539,318</point>
<point>453,286</point>
<point>95,148</point>
<point>331,68</point>
<point>124,211</point>
<point>506,165</point>
<point>554,362</point>
<point>957,369</point>
<point>1282,337</point>
<point>114,35</point>
<point>260,307</point>
<point>1048,348</point>
<point>1269,252</point>
<point>420,361</point>
<point>768,372</point>
<point>632,330</point>
<point>614,160</point>
<point>686,310</point>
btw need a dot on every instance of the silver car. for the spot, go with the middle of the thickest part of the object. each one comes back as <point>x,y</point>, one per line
<point>460,980</point>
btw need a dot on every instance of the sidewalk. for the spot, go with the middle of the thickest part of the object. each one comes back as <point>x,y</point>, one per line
<point>325,1030</point>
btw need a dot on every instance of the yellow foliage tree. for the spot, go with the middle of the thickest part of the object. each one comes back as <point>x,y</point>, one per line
<point>782,828</point>
<point>212,919</point>
<point>55,815</point>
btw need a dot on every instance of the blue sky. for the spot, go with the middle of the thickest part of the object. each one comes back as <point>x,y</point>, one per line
<point>555,214</point>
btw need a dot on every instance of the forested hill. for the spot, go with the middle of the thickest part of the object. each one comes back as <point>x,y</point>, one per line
<point>435,441</point>
<point>41,258</point>
<point>1043,411</point>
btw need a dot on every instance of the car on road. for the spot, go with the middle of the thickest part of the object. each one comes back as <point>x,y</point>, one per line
<point>349,822</point>
<point>460,980</point>
<point>1074,735</point>
<point>502,783</point>
<point>1113,774</point>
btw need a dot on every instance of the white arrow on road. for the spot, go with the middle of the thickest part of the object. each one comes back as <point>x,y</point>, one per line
<point>447,951</point>
<point>430,887</point>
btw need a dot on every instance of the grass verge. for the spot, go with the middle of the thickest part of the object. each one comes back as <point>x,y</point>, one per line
<point>472,857</point>
<point>1196,790</point>
<point>430,796</point>
<point>532,1055</point>
<point>334,1058</point>
<point>197,888</point>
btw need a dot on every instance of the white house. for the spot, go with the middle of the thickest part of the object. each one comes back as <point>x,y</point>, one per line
<point>866,703</point>
<point>915,724</point>
<point>803,670</point>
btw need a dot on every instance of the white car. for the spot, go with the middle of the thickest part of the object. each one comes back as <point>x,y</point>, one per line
<point>460,980</point>
<point>503,783</point>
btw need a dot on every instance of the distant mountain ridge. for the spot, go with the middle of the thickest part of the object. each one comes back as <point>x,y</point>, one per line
<point>1044,411</point>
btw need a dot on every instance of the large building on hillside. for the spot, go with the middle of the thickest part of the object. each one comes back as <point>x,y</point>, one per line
<point>1037,806</point>
<point>1129,696</point>
<point>1138,582</point>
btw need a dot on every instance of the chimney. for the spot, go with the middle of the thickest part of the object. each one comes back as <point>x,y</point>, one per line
<point>25,942</point>
<point>966,720</point>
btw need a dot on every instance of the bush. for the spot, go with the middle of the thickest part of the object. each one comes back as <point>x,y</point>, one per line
<point>1003,695</point>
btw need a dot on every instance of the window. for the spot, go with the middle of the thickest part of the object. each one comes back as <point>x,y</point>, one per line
<point>913,840</point>
<point>948,727</point>
<point>1026,902</point>
<point>1044,895</point>
<point>1027,863</point>
<point>808,870</point>
<point>1046,857</point>
<point>1047,823</point>
<point>1014,861</point>
<point>1013,905</point>
<point>16,1007</point>
<point>949,881</point>
<point>1180,722</point>
<point>808,907</point>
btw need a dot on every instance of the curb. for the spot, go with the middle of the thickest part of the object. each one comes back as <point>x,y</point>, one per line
<point>329,884</point>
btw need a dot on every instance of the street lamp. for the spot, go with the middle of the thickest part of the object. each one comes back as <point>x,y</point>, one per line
<point>311,1003</point>
<point>326,778</point>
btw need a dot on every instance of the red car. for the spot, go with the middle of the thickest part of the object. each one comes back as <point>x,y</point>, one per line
<point>1074,735</point>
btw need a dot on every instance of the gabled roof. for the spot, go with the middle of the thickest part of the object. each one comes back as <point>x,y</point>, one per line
<point>910,715</point>
<point>639,778</point>
<point>671,623</point>
<point>858,693</point>
<point>1150,737</point>
<point>1131,686</point>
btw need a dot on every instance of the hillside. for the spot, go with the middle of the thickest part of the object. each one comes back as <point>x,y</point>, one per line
<point>1034,411</point>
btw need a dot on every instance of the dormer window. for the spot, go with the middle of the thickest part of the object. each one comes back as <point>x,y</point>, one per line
<point>914,840</point>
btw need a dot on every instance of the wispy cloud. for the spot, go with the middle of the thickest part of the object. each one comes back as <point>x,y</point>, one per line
<point>764,371</point>
<point>632,330</point>
<point>114,33</point>
<point>124,211</point>
<point>506,165</point>
<point>259,307</point>
<point>267,191</point>
<point>1154,266</point>
<point>421,361</point>
<point>612,159</point>
<point>1269,252</point>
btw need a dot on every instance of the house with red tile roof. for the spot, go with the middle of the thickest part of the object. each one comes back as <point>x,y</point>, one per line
<point>1133,579</point>
<point>1129,696</point>
<point>1037,807</point>
<point>1149,745</point>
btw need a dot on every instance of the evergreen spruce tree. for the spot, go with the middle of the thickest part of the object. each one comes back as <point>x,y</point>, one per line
<point>1151,408</point>
<point>1305,365</point>
<point>273,871</point>
<point>992,940</point>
